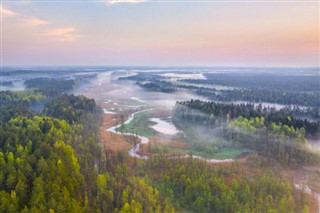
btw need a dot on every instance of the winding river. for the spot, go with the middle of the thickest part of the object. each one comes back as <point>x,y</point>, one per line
<point>144,140</point>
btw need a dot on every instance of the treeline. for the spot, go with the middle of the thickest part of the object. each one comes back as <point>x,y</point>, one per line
<point>54,164</point>
<point>152,82</point>
<point>70,107</point>
<point>50,87</point>
<point>283,142</point>
<point>56,71</point>
<point>157,86</point>
<point>42,90</point>
<point>278,82</point>
<point>14,104</point>
<point>273,132</point>
<point>143,76</point>
<point>19,72</point>
<point>215,114</point>
<point>271,88</point>
<point>260,95</point>
<point>6,83</point>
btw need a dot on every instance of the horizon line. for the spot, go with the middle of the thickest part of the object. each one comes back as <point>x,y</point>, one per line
<point>167,66</point>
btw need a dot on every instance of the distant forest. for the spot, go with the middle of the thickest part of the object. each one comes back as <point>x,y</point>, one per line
<point>269,88</point>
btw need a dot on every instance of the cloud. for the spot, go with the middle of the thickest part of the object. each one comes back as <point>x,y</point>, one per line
<point>26,20</point>
<point>33,22</point>
<point>112,2</point>
<point>60,31</point>
<point>62,34</point>
<point>7,13</point>
<point>23,2</point>
<point>58,34</point>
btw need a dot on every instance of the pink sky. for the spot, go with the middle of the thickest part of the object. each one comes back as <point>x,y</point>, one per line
<point>160,33</point>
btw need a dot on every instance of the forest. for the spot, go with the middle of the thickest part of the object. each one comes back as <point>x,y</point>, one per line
<point>158,86</point>
<point>275,133</point>
<point>231,87</point>
<point>51,161</point>
<point>159,106</point>
<point>271,88</point>
<point>278,82</point>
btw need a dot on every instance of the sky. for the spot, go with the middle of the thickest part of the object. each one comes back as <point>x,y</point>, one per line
<point>160,33</point>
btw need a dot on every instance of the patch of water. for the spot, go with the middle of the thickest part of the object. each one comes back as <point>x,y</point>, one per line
<point>178,76</point>
<point>164,127</point>
<point>309,191</point>
<point>137,99</point>
<point>144,140</point>
<point>108,112</point>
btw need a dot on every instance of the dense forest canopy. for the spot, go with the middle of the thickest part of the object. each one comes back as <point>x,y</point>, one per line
<point>296,83</point>
<point>50,86</point>
<point>51,162</point>
<point>307,118</point>
<point>276,133</point>
<point>286,89</point>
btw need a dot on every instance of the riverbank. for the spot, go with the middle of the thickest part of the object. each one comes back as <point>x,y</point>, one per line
<point>133,152</point>
<point>136,147</point>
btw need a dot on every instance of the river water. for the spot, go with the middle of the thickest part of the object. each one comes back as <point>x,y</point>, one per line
<point>309,191</point>
<point>144,140</point>
<point>103,89</point>
<point>164,127</point>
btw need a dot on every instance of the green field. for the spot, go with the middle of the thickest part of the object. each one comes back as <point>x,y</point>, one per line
<point>139,125</point>
<point>221,149</point>
<point>225,153</point>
